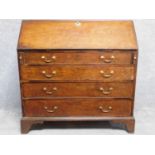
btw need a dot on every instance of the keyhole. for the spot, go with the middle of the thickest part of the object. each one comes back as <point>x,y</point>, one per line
<point>78,23</point>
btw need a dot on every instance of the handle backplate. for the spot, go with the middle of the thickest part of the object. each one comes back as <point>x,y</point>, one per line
<point>45,89</point>
<point>48,60</point>
<point>107,60</point>
<point>106,91</point>
<point>107,75</point>
<point>49,75</point>
<point>54,108</point>
<point>105,110</point>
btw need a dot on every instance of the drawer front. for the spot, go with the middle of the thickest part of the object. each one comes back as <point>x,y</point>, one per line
<point>77,90</point>
<point>80,57</point>
<point>77,73</point>
<point>77,107</point>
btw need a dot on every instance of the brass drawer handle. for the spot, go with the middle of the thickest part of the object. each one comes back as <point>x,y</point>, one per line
<point>51,110</point>
<point>46,60</point>
<point>106,92</point>
<point>49,75</point>
<point>107,75</point>
<point>105,110</point>
<point>106,60</point>
<point>49,92</point>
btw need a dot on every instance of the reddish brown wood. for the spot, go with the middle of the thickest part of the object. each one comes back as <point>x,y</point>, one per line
<point>73,35</point>
<point>78,73</point>
<point>71,89</point>
<point>129,124</point>
<point>77,57</point>
<point>26,124</point>
<point>77,107</point>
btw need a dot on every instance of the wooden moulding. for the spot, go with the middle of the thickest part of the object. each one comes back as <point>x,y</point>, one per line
<point>28,122</point>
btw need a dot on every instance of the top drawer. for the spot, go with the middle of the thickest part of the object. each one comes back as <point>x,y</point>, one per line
<point>77,57</point>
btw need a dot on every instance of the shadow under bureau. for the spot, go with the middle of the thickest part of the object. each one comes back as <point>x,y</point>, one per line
<point>77,71</point>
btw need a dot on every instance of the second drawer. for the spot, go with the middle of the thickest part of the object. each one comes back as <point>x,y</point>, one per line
<point>78,89</point>
<point>78,73</point>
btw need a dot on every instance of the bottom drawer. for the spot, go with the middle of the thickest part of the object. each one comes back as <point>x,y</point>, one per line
<point>77,107</point>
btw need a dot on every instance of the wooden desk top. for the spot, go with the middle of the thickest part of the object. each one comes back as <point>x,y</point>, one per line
<point>77,35</point>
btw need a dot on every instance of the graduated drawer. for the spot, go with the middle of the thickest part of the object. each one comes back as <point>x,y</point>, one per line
<point>77,73</point>
<point>78,57</point>
<point>77,107</point>
<point>78,89</point>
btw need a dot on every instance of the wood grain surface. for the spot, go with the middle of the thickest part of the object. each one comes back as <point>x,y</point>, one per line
<point>70,89</point>
<point>77,35</point>
<point>77,70</point>
<point>77,57</point>
<point>77,73</point>
<point>77,107</point>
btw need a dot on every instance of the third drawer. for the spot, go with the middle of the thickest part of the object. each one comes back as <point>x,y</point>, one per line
<point>71,89</point>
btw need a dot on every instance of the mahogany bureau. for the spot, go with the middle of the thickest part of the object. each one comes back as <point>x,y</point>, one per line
<point>77,71</point>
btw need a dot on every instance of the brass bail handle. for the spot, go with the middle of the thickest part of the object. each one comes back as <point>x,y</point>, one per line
<point>54,108</point>
<point>49,92</point>
<point>106,92</point>
<point>105,110</point>
<point>107,60</point>
<point>105,75</point>
<point>49,75</point>
<point>48,60</point>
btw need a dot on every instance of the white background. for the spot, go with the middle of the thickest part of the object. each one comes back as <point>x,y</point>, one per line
<point>79,9</point>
